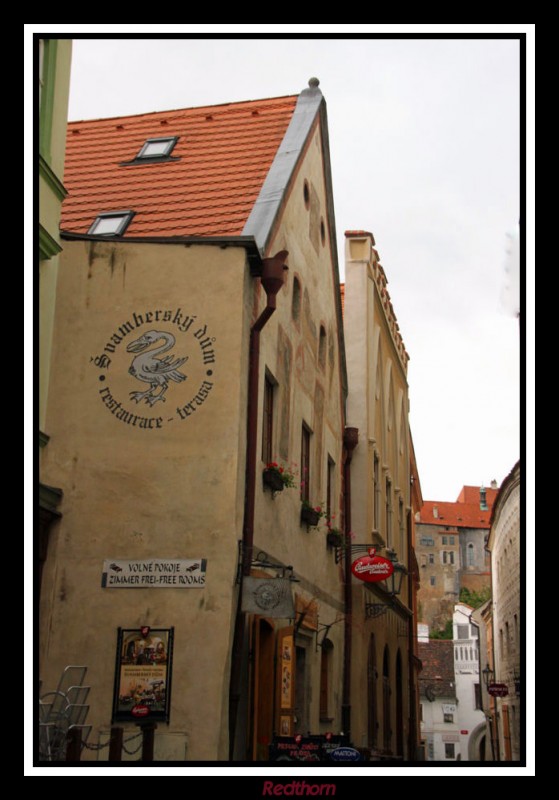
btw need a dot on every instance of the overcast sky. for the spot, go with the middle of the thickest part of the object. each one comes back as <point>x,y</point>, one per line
<point>424,141</point>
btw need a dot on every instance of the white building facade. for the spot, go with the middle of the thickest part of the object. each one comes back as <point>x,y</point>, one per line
<point>440,727</point>
<point>440,730</point>
<point>470,716</point>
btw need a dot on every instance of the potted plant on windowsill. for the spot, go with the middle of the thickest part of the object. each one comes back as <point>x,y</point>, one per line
<point>310,515</point>
<point>278,477</point>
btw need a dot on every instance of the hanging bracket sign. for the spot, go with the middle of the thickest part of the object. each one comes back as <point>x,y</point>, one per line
<point>372,568</point>
<point>498,689</point>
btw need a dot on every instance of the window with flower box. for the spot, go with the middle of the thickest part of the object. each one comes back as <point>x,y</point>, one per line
<point>305,462</point>
<point>268,418</point>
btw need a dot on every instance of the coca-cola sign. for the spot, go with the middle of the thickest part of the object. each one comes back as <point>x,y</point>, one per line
<point>372,568</point>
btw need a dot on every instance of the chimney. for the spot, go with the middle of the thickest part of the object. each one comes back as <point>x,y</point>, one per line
<point>482,498</point>
<point>436,512</point>
<point>494,484</point>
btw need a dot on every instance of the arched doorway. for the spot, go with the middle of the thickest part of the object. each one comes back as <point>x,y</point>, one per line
<point>476,744</point>
<point>372,675</point>
<point>263,688</point>
<point>399,706</point>
<point>386,692</point>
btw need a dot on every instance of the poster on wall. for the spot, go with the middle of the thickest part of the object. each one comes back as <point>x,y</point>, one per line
<point>287,672</point>
<point>143,674</point>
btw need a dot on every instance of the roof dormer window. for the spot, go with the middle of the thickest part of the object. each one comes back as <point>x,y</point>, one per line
<point>111,223</point>
<point>154,151</point>
<point>157,148</point>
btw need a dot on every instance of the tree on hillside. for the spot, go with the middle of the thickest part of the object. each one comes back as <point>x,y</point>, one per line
<point>473,598</point>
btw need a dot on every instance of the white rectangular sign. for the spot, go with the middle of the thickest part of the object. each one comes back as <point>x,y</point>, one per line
<point>154,573</point>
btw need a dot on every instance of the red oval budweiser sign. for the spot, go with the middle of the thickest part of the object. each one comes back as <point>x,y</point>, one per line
<point>140,710</point>
<point>372,568</point>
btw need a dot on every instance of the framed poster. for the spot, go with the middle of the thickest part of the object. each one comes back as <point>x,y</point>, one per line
<point>285,726</point>
<point>285,677</point>
<point>143,674</point>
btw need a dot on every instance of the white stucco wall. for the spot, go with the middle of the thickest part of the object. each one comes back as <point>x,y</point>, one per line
<point>436,732</point>
<point>466,671</point>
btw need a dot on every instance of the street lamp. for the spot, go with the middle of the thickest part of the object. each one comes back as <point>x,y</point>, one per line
<point>488,675</point>
<point>392,587</point>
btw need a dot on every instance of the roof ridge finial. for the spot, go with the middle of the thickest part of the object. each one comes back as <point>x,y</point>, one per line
<point>314,83</point>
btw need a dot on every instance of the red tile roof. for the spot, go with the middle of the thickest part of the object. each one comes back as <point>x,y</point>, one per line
<point>342,295</point>
<point>470,494</point>
<point>437,656</point>
<point>224,154</point>
<point>464,513</point>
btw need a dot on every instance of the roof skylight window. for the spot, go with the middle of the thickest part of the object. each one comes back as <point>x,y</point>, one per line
<point>158,148</point>
<point>111,223</point>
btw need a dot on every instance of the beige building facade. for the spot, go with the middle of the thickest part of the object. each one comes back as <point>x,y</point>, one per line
<point>505,547</point>
<point>384,668</point>
<point>160,469</point>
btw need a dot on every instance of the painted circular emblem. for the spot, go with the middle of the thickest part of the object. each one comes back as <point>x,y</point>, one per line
<point>267,596</point>
<point>156,368</point>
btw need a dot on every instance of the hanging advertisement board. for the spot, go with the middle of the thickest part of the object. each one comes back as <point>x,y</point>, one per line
<point>143,674</point>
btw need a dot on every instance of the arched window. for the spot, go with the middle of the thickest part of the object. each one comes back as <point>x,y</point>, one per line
<point>401,529</point>
<point>296,300</point>
<point>386,722</point>
<point>376,481</point>
<point>322,347</point>
<point>388,498</point>
<point>325,670</point>
<point>470,555</point>
<point>372,692</point>
<point>399,706</point>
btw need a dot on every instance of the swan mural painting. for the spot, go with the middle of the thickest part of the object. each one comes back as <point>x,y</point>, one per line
<point>152,369</point>
<point>157,367</point>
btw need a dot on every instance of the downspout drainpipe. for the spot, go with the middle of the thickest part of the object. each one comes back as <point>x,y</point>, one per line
<point>272,281</point>
<point>351,437</point>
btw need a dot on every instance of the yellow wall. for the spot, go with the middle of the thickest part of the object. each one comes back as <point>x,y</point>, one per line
<point>378,407</point>
<point>310,393</point>
<point>173,491</point>
<point>173,484</point>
